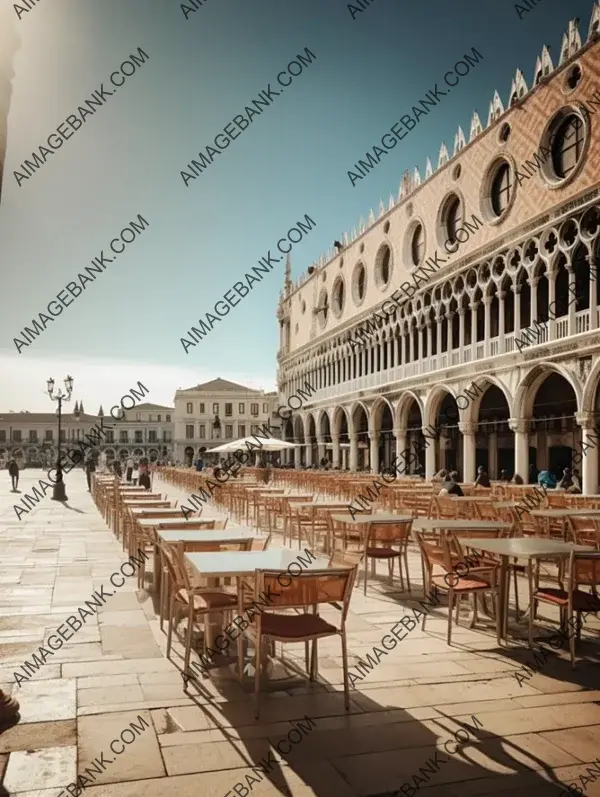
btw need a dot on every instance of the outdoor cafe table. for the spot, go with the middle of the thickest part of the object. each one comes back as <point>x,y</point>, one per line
<point>164,507</point>
<point>312,507</point>
<point>243,564</point>
<point>459,524</point>
<point>519,548</point>
<point>383,517</point>
<point>557,513</point>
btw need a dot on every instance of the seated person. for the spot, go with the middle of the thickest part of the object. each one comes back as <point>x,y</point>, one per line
<point>546,479</point>
<point>482,480</point>
<point>451,486</point>
<point>504,477</point>
<point>576,486</point>
<point>516,479</point>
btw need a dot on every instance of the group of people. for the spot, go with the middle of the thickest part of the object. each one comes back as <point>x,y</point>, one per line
<point>570,481</point>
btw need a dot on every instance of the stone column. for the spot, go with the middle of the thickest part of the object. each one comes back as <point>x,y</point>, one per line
<point>420,334</point>
<point>335,441</point>
<point>429,339</point>
<point>520,427</point>
<point>297,457</point>
<point>430,470</point>
<point>374,452</point>
<point>400,435</point>
<point>474,307</point>
<point>461,333</point>
<point>493,455</point>
<point>488,317</point>
<point>308,448</point>
<point>551,305</point>
<point>572,308</point>
<point>586,459</point>
<point>593,302</point>
<point>534,308</point>
<point>450,337</point>
<point>517,307</point>
<point>353,438</point>
<point>501,297</point>
<point>320,448</point>
<point>468,431</point>
<point>439,338</point>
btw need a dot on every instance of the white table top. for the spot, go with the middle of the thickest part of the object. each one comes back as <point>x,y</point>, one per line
<point>153,503</point>
<point>206,535</point>
<point>384,517</point>
<point>243,563</point>
<point>526,547</point>
<point>456,524</point>
<point>167,511</point>
<point>174,521</point>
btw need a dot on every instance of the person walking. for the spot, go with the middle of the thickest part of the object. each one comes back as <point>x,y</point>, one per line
<point>135,474</point>
<point>13,470</point>
<point>129,470</point>
<point>144,479</point>
<point>90,467</point>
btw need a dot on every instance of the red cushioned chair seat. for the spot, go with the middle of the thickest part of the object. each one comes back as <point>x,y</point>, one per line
<point>382,553</point>
<point>582,601</point>
<point>294,626</point>
<point>463,584</point>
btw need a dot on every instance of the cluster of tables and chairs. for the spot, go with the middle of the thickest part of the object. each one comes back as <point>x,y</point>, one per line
<point>475,545</point>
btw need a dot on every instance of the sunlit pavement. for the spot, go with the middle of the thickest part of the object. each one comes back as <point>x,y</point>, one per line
<point>113,672</point>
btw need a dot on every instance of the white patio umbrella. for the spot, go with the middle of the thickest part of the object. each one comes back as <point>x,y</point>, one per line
<point>270,444</point>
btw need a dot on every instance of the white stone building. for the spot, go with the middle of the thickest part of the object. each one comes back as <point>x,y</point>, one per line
<point>214,412</point>
<point>517,242</point>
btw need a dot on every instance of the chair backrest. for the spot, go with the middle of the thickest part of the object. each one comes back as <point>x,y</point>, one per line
<point>309,588</point>
<point>585,530</point>
<point>584,570</point>
<point>432,550</point>
<point>388,533</point>
<point>211,546</point>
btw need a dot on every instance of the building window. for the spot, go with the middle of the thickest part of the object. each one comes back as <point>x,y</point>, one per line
<point>152,438</point>
<point>254,409</point>
<point>16,435</point>
<point>228,410</point>
<point>109,436</point>
<point>202,431</point>
<point>48,435</point>
<point>228,431</point>
<point>32,436</point>
<point>567,148</point>
<point>202,409</point>
<point>242,429</point>
<point>158,418</point>
<point>359,283</point>
<point>452,218</point>
<point>265,409</point>
<point>123,437</point>
<point>254,428</point>
<point>417,245</point>
<point>168,418</point>
<point>189,431</point>
<point>190,408</point>
<point>150,419</point>
<point>2,435</point>
<point>501,190</point>
<point>242,409</point>
<point>215,409</point>
<point>383,266</point>
<point>138,437</point>
<point>138,416</point>
<point>322,311</point>
<point>339,296</point>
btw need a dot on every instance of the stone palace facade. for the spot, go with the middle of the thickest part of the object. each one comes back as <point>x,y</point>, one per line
<point>511,314</point>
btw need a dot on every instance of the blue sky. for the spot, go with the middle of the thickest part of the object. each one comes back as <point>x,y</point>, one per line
<point>293,160</point>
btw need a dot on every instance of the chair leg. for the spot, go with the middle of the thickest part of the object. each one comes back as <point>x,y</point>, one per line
<point>170,629</point>
<point>532,604</point>
<point>407,571</point>
<point>450,608</point>
<point>257,670</point>
<point>515,579</point>
<point>365,573</point>
<point>572,635</point>
<point>457,612</point>
<point>314,660</point>
<point>306,658</point>
<point>188,637</point>
<point>345,668</point>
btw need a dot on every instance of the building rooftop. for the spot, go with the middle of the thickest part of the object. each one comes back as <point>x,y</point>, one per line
<point>216,385</point>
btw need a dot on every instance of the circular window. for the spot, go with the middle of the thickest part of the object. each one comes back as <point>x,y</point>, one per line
<point>566,138</point>
<point>451,217</point>
<point>504,134</point>
<point>386,227</point>
<point>573,78</point>
<point>501,188</point>
<point>322,311</point>
<point>417,245</point>
<point>456,171</point>
<point>338,296</point>
<point>383,266</point>
<point>359,283</point>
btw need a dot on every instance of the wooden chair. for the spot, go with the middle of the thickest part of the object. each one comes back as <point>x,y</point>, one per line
<point>473,582</point>
<point>585,530</point>
<point>308,590</point>
<point>381,539</point>
<point>583,570</point>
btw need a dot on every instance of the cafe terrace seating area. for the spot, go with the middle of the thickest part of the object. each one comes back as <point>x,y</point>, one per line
<point>466,588</point>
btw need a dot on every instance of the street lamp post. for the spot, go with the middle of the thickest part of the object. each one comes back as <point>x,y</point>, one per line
<point>59,493</point>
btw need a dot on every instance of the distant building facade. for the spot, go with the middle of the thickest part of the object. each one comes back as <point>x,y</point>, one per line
<point>218,411</point>
<point>31,437</point>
